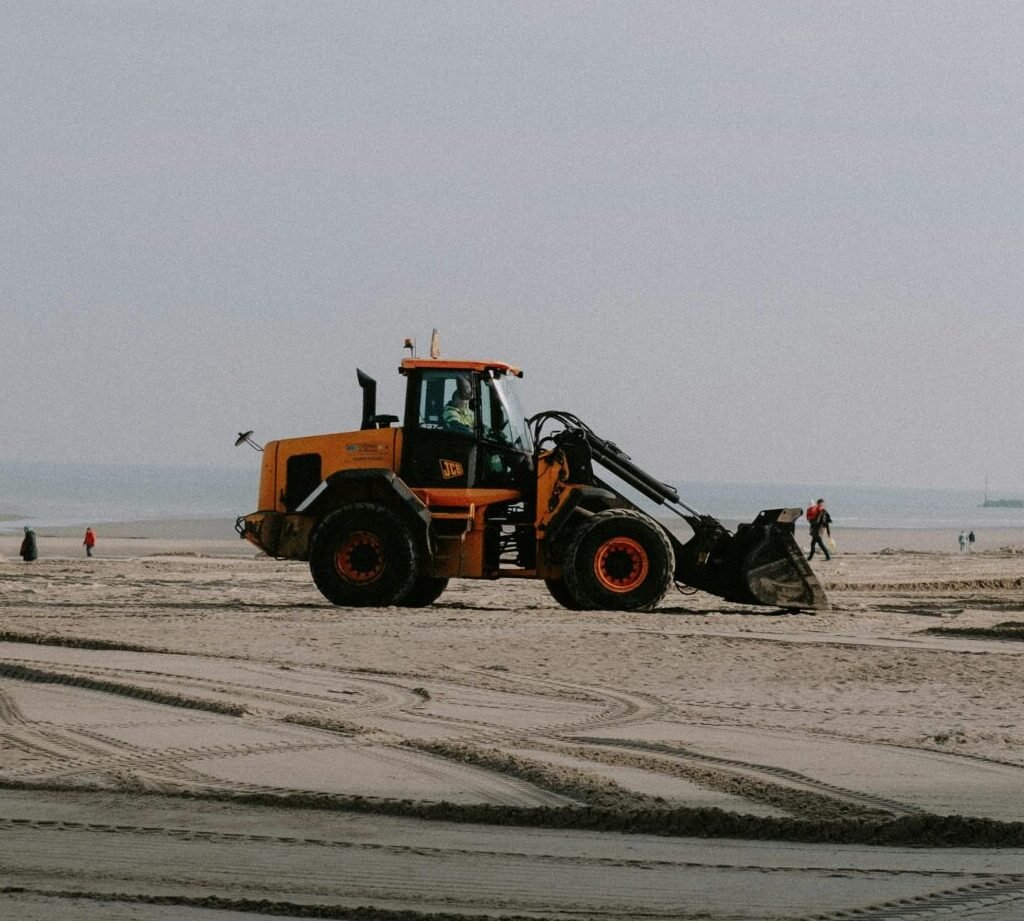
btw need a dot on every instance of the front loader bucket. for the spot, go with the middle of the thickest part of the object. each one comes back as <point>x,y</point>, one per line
<point>759,564</point>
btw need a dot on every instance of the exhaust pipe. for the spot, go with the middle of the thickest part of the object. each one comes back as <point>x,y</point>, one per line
<point>369,386</point>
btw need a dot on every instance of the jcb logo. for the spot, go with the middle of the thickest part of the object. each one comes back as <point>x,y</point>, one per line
<point>451,469</point>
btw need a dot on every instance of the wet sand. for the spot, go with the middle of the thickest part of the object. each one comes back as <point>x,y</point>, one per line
<point>190,731</point>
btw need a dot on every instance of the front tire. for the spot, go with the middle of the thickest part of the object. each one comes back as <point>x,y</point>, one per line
<point>364,555</point>
<point>558,590</point>
<point>619,560</point>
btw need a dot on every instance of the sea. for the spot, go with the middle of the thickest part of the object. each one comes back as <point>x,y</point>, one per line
<point>58,495</point>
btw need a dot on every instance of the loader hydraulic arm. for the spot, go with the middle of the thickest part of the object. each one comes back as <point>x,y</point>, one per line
<point>759,564</point>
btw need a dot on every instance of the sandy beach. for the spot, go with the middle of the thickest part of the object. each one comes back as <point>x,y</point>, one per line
<point>190,731</point>
<point>217,537</point>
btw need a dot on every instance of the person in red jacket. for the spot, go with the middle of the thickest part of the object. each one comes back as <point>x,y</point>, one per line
<point>89,542</point>
<point>820,521</point>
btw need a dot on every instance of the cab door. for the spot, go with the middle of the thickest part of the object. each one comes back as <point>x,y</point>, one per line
<point>438,450</point>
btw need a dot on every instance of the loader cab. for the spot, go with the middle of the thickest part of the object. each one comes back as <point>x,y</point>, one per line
<point>479,442</point>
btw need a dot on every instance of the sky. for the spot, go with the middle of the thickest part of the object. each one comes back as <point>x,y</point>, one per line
<point>776,243</point>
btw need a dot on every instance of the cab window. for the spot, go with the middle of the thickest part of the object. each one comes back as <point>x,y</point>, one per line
<point>501,417</point>
<point>439,406</point>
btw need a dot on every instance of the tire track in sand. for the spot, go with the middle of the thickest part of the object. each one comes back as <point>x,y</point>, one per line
<point>820,790</point>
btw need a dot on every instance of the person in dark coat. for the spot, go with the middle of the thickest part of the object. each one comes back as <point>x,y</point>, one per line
<point>822,521</point>
<point>29,551</point>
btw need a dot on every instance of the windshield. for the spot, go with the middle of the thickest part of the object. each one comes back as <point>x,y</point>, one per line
<point>503,419</point>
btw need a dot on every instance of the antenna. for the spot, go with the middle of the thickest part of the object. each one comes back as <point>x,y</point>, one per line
<point>246,438</point>
<point>435,345</point>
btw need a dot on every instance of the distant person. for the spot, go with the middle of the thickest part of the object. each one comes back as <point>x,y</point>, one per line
<point>963,541</point>
<point>458,415</point>
<point>29,551</point>
<point>89,542</point>
<point>820,521</point>
<point>970,542</point>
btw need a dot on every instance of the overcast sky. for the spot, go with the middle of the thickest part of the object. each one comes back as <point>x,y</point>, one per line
<point>771,242</point>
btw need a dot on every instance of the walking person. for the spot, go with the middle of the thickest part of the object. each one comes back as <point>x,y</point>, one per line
<point>963,541</point>
<point>820,521</point>
<point>970,541</point>
<point>29,550</point>
<point>89,542</point>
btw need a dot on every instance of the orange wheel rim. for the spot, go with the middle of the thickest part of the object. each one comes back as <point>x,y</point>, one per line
<point>360,557</point>
<point>621,564</point>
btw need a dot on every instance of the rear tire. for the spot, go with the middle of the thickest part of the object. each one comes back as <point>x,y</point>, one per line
<point>364,555</point>
<point>619,560</point>
<point>425,591</point>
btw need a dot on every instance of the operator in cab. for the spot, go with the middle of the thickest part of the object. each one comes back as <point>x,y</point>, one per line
<point>458,413</point>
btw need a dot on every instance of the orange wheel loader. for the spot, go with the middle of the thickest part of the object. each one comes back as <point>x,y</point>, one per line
<point>469,487</point>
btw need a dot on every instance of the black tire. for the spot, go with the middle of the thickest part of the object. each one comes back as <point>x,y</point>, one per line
<point>560,592</point>
<point>619,560</point>
<point>425,591</point>
<point>364,555</point>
